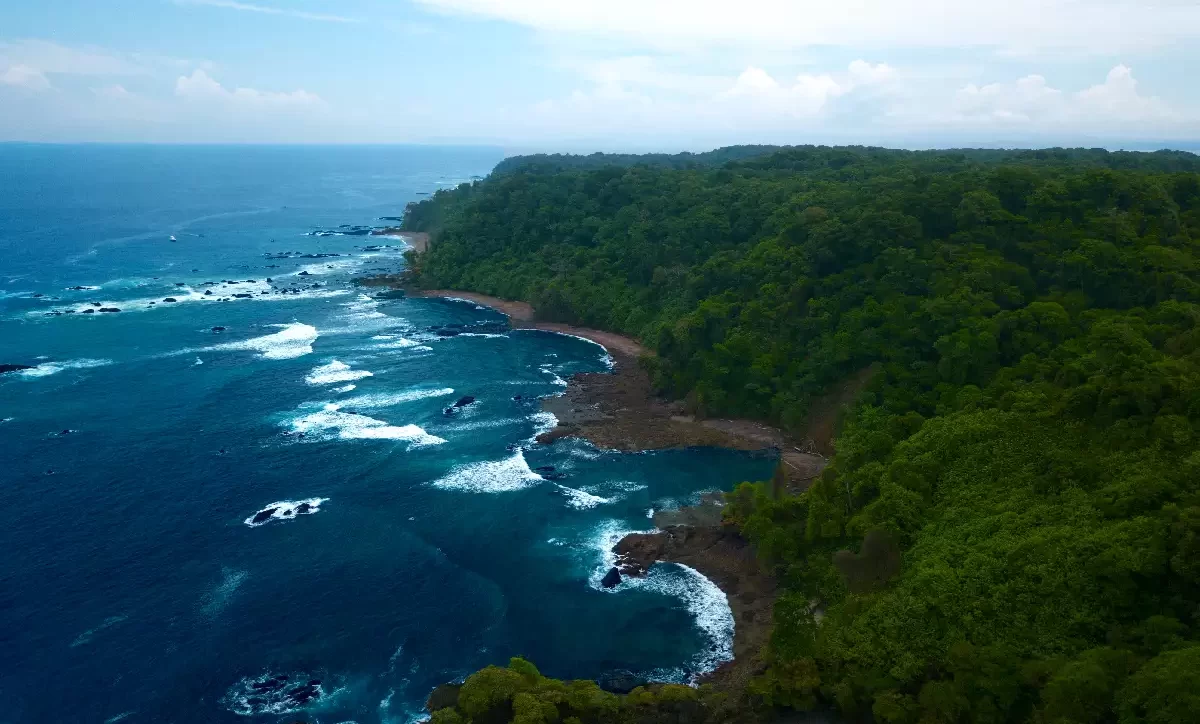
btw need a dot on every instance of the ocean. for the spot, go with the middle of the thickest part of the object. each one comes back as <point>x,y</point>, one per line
<point>257,502</point>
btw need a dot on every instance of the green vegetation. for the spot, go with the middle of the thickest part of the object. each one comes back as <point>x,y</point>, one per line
<point>520,694</point>
<point>1010,528</point>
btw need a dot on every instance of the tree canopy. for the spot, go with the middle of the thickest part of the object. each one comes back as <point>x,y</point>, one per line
<point>1009,530</point>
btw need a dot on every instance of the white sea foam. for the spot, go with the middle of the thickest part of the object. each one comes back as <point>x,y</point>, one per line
<point>473,303</point>
<point>223,292</point>
<point>543,422</point>
<point>601,543</point>
<point>708,604</point>
<point>606,358</point>
<point>278,694</point>
<point>582,500</point>
<point>546,369</point>
<point>285,510</point>
<point>379,400</point>
<point>345,388</point>
<point>332,265</point>
<point>215,601</point>
<point>584,450</point>
<point>335,372</point>
<point>400,343</point>
<point>88,635</point>
<point>46,369</point>
<point>363,316</point>
<point>491,476</point>
<point>330,424</point>
<point>481,424</point>
<point>198,362</point>
<point>293,340</point>
<point>626,486</point>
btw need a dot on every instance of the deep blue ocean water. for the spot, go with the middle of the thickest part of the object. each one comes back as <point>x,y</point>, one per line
<point>135,585</point>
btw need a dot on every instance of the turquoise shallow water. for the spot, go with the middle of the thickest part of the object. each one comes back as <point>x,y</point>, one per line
<point>136,583</point>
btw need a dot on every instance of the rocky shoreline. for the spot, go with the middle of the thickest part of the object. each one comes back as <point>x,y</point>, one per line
<point>619,410</point>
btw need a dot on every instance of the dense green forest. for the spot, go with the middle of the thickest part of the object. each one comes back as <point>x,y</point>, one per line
<point>1009,530</point>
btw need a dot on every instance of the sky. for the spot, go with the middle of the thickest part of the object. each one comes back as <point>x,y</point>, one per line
<point>582,75</point>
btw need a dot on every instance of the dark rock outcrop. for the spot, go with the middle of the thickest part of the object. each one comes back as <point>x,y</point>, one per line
<point>13,368</point>
<point>612,578</point>
<point>462,402</point>
<point>620,682</point>
<point>443,697</point>
<point>558,433</point>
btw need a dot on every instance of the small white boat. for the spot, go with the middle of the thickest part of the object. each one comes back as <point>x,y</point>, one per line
<point>173,238</point>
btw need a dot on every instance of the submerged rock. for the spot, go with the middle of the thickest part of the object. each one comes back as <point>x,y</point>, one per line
<point>170,299</point>
<point>14,368</point>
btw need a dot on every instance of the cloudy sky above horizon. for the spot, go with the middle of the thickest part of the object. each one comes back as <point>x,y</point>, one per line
<point>603,74</point>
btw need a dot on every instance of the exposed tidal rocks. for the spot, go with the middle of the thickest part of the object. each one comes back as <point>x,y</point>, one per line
<point>549,472</point>
<point>285,510</point>
<point>453,330</point>
<point>462,402</point>
<point>276,694</point>
<point>13,368</point>
<point>344,230</point>
<point>721,554</point>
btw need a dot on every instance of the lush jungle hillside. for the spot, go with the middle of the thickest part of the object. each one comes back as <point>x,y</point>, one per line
<point>1010,528</point>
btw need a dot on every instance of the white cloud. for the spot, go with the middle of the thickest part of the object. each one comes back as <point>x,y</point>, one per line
<point>808,94</point>
<point>864,103</point>
<point>1115,105</point>
<point>200,86</point>
<point>48,57</point>
<point>1093,25</point>
<point>269,10</point>
<point>22,76</point>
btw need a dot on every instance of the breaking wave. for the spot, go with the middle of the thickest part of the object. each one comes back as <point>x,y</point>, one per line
<point>335,372</point>
<point>293,340</point>
<point>491,476</point>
